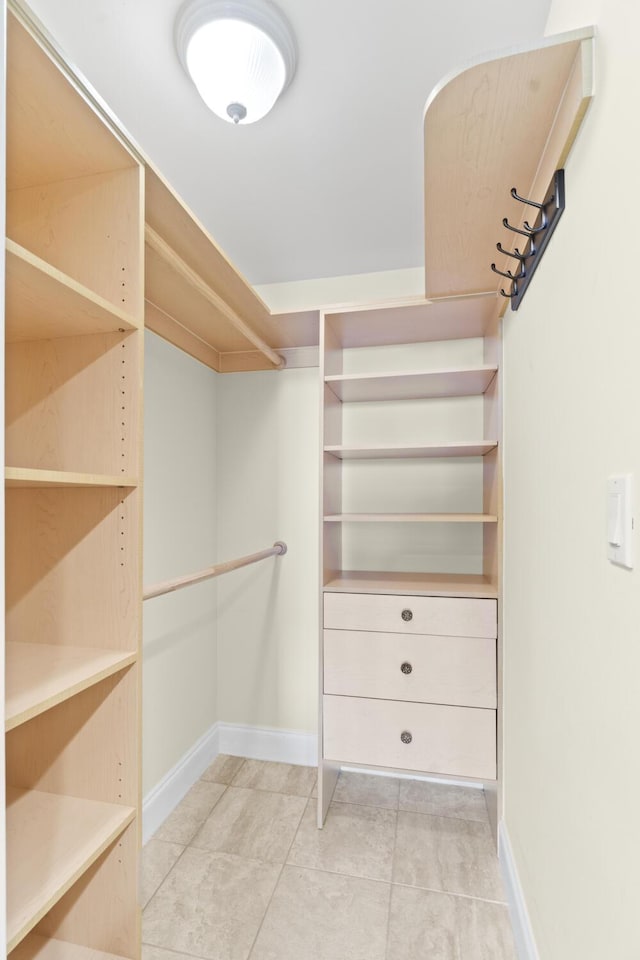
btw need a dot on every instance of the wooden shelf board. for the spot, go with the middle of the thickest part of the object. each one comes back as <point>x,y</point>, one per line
<point>413,321</point>
<point>412,452</point>
<point>42,303</point>
<point>418,584</point>
<point>411,518</point>
<point>36,947</point>
<point>29,477</point>
<point>507,122</point>
<point>413,385</point>
<point>41,675</point>
<point>51,841</point>
<point>179,310</point>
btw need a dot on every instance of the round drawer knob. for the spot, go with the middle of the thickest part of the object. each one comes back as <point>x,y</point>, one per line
<point>407,615</point>
<point>406,667</point>
<point>406,737</point>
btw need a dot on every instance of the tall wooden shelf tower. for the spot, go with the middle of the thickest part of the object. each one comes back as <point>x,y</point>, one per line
<point>74,349</point>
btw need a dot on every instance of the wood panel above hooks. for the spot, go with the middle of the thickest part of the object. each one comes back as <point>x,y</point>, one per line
<point>509,120</point>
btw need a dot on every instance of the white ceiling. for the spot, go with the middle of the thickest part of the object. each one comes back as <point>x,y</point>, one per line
<point>329,183</point>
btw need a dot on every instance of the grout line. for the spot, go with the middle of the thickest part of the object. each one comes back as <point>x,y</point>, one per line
<point>450,893</point>
<point>275,886</point>
<point>393,860</point>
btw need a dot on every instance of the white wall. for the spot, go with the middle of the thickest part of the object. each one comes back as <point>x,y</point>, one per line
<point>179,665</point>
<point>268,490</point>
<point>572,645</point>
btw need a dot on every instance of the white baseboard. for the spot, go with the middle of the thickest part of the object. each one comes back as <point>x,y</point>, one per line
<point>267,743</point>
<point>256,743</point>
<point>167,794</point>
<point>520,921</point>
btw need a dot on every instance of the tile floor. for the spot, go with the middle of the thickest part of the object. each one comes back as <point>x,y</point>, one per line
<point>403,870</point>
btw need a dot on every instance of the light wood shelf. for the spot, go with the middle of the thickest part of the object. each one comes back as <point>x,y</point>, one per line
<point>507,122</point>
<point>51,841</point>
<point>418,584</point>
<point>41,675</point>
<point>28,477</point>
<point>411,518</point>
<point>411,321</point>
<point>36,947</point>
<point>42,302</point>
<point>199,301</point>
<point>412,385</point>
<point>423,451</point>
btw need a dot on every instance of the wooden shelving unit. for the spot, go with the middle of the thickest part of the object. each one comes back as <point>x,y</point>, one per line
<point>424,518</point>
<point>74,351</point>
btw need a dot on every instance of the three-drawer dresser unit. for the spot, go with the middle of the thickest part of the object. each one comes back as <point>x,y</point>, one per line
<point>410,518</point>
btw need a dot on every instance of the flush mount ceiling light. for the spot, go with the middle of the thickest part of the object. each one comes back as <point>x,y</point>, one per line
<point>240,54</point>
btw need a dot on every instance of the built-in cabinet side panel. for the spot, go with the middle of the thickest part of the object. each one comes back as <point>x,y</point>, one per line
<point>330,362</point>
<point>3,878</point>
<point>492,536</point>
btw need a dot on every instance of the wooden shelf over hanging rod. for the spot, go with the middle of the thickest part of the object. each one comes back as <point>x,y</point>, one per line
<point>509,120</point>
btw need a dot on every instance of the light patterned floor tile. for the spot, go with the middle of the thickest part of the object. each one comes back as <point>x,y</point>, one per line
<point>446,854</point>
<point>366,788</point>
<point>252,823</point>
<point>210,906</point>
<point>355,840</point>
<point>436,926</point>
<point>321,916</point>
<point>277,777</point>
<point>223,769</point>
<point>184,822</point>
<point>443,800</point>
<point>157,859</point>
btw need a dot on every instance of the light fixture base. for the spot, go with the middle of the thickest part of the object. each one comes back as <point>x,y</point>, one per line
<point>197,18</point>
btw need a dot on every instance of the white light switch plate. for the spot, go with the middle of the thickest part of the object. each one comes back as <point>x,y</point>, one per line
<point>620,520</point>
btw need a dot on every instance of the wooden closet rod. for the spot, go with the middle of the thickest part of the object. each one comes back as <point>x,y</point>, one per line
<point>169,586</point>
<point>155,242</point>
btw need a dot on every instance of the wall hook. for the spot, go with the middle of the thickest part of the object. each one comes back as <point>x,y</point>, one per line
<point>516,253</point>
<point>532,203</point>
<point>537,238</point>
<point>508,274</point>
<point>527,232</point>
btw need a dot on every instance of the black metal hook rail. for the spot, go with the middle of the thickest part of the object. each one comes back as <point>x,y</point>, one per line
<point>538,237</point>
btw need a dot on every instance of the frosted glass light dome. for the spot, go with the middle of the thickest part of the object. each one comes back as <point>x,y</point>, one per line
<point>240,55</point>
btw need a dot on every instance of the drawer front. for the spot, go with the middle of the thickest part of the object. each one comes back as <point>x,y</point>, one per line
<point>456,741</point>
<point>442,616</point>
<point>394,666</point>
